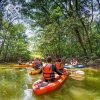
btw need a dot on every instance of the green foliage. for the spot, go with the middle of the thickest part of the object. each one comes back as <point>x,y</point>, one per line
<point>69,28</point>
<point>13,43</point>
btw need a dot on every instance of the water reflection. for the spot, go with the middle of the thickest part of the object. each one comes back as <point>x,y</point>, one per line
<point>16,84</point>
<point>12,84</point>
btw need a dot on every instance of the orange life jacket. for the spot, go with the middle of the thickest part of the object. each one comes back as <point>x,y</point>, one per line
<point>48,72</point>
<point>58,65</point>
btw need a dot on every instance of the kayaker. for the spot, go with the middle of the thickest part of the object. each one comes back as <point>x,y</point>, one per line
<point>39,62</point>
<point>59,65</point>
<point>74,62</point>
<point>49,70</point>
<point>36,64</point>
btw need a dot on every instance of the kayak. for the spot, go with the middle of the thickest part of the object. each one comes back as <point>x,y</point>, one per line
<point>41,87</point>
<point>80,66</point>
<point>69,66</point>
<point>22,66</point>
<point>34,72</point>
<point>72,67</point>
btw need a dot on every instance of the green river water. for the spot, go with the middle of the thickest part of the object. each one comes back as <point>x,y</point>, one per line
<point>16,84</point>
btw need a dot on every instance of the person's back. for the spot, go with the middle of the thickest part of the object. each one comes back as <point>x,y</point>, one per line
<point>39,62</point>
<point>59,65</point>
<point>36,64</point>
<point>48,71</point>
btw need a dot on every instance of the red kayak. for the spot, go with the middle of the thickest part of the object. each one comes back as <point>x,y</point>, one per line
<point>41,87</point>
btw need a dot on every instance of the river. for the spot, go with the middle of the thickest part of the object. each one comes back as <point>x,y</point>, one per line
<point>16,84</point>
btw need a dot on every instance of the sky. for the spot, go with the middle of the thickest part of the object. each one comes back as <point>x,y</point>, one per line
<point>16,18</point>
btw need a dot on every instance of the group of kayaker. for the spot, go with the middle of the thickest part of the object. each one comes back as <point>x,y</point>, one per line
<point>54,75</point>
<point>48,69</point>
<point>36,63</point>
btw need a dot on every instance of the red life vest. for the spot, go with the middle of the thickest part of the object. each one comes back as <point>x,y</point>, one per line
<point>39,62</point>
<point>48,72</point>
<point>35,63</point>
<point>58,65</point>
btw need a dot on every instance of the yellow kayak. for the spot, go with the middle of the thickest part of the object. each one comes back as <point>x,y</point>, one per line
<point>22,66</point>
<point>34,72</point>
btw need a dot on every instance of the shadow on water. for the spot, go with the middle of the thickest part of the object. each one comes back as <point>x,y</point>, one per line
<point>16,84</point>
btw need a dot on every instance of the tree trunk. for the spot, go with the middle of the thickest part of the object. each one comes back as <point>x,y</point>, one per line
<point>2,45</point>
<point>80,41</point>
<point>0,19</point>
<point>82,22</point>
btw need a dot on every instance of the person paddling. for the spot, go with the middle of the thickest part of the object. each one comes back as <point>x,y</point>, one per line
<point>39,62</point>
<point>59,65</point>
<point>49,70</point>
<point>74,62</point>
<point>36,64</point>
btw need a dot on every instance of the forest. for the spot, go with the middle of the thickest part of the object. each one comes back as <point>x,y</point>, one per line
<point>50,49</point>
<point>64,28</point>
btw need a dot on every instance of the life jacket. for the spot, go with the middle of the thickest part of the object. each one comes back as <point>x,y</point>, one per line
<point>36,64</point>
<point>48,72</point>
<point>58,65</point>
<point>39,62</point>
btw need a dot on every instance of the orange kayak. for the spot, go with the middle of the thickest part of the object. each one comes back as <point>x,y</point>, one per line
<point>34,72</point>
<point>22,66</point>
<point>41,87</point>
